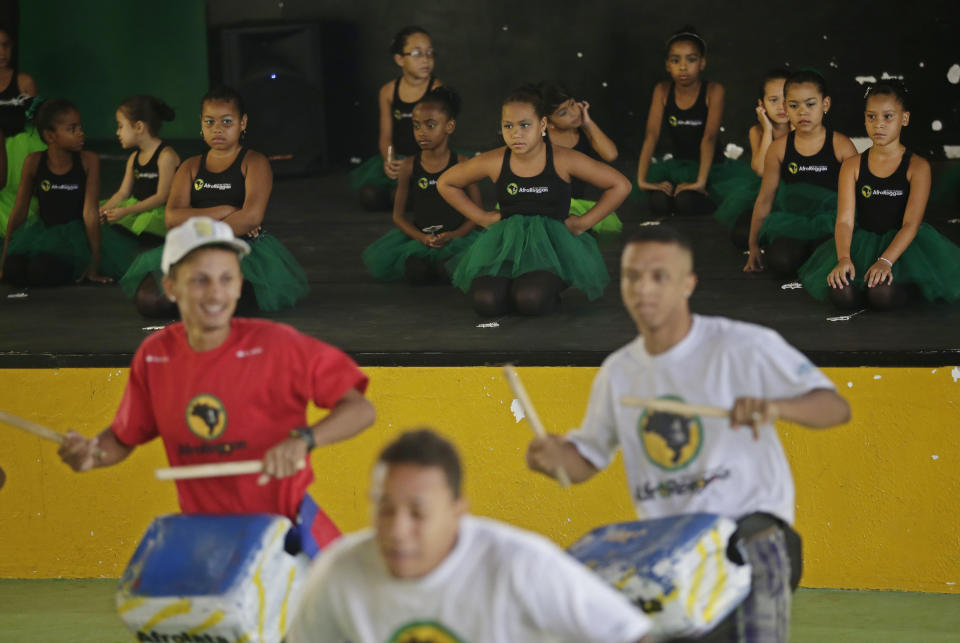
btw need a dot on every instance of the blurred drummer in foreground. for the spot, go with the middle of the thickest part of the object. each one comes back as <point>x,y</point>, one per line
<point>678,464</point>
<point>429,571</point>
<point>216,388</point>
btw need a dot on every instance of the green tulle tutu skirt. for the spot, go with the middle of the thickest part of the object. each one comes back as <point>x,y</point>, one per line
<point>737,194</point>
<point>68,241</point>
<point>18,148</point>
<point>521,244</point>
<point>149,221</point>
<point>370,172</point>
<point>386,258</point>
<point>800,211</point>
<point>723,176</point>
<point>610,224</point>
<point>278,280</point>
<point>946,186</point>
<point>931,261</point>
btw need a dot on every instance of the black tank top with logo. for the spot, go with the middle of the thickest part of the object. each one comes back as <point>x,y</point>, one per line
<point>545,194</point>
<point>404,143</point>
<point>821,169</point>
<point>686,126</point>
<point>13,108</point>
<point>881,202</point>
<point>428,207</point>
<point>211,189</point>
<point>146,176</point>
<point>60,196</point>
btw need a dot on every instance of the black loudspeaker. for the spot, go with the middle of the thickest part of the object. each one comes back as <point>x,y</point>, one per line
<point>277,71</point>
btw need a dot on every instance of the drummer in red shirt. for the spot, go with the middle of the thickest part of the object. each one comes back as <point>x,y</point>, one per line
<point>216,388</point>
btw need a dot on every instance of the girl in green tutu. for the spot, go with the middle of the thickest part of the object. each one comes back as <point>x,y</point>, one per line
<point>796,207</point>
<point>18,136</point>
<point>429,231</point>
<point>138,204</point>
<point>533,247</point>
<point>882,251</point>
<point>65,242</point>
<point>690,109</point>
<point>735,209</point>
<point>376,177</point>
<point>230,183</point>
<point>569,125</point>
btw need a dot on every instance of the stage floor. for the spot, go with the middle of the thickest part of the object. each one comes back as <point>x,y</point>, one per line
<point>395,324</point>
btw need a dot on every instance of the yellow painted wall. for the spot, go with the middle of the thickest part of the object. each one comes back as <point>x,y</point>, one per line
<point>877,499</point>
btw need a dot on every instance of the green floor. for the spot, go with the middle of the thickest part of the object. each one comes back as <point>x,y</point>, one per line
<point>82,612</point>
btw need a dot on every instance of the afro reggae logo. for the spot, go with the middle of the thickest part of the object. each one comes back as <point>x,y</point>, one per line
<point>423,183</point>
<point>670,441</point>
<point>198,185</point>
<point>45,185</point>
<point>136,174</point>
<point>512,189</point>
<point>793,168</point>
<point>866,191</point>
<point>206,416</point>
<point>673,121</point>
<point>424,632</point>
<point>397,114</point>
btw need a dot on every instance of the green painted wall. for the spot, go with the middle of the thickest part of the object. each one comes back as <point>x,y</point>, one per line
<point>98,52</point>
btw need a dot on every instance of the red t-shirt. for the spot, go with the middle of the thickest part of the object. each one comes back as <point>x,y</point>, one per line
<point>232,403</point>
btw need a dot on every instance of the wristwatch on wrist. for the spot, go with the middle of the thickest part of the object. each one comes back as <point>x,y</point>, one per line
<point>305,433</point>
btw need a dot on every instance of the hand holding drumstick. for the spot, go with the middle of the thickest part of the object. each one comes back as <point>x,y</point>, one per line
<point>746,411</point>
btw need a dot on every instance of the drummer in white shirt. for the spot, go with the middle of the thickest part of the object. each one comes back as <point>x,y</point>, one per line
<point>684,464</point>
<point>429,571</point>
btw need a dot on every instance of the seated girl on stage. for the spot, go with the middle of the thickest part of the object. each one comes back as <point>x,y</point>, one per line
<point>65,242</point>
<point>569,125</point>
<point>532,248</point>
<point>796,207</point>
<point>138,204</point>
<point>412,52</point>
<point>230,183</point>
<point>882,250</point>
<point>18,136</point>
<point>429,231</point>
<point>690,109</point>
<point>736,208</point>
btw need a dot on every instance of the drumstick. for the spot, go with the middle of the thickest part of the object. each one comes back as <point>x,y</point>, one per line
<point>32,428</point>
<point>675,406</point>
<point>389,154</point>
<point>531,414</point>
<point>214,470</point>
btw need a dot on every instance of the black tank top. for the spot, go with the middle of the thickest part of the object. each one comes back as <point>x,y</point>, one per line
<point>211,189</point>
<point>821,169</point>
<point>13,108</point>
<point>428,207</point>
<point>881,202</point>
<point>60,196</point>
<point>686,126</point>
<point>545,194</point>
<point>146,176</point>
<point>404,143</point>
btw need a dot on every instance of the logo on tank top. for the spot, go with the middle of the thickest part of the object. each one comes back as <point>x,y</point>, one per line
<point>423,183</point>
<point>674,122</point>
<point>46,186</point>
<point>200,184</point>
<point>867,192</point>
<point>424,632</point>
<point>670,441</point>
<point>206,416</point>
<point>513,189</point>
<point>399,116</point>
<point>793,168</point>
<point>137,174</point>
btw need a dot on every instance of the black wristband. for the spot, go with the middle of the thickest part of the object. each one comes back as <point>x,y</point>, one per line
<point>305,433</point>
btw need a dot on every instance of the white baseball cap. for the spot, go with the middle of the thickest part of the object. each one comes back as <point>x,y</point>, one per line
<point>197,232</point>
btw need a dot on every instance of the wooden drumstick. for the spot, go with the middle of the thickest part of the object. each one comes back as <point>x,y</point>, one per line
<point>675,406</point>
<point>214,470</point>
<point>530,413</point>
<point>32,428</point>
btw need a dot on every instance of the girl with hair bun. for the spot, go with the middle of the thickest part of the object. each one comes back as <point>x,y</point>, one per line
<point>139,202</point>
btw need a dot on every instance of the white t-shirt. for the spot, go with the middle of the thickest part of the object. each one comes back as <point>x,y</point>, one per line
<point>678,465</point>
<point>498,584</point>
